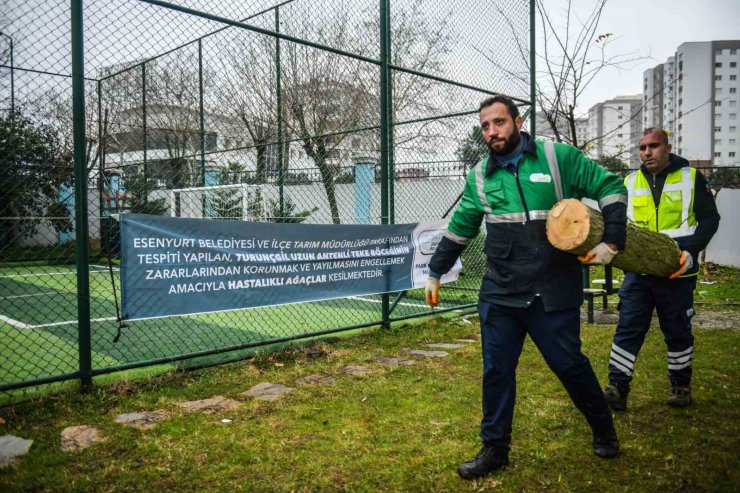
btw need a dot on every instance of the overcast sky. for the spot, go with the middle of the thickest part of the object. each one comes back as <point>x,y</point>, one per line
<point>655,28</point>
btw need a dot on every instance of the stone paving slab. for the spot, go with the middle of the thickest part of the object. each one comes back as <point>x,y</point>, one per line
<point>11,448</point>
<point>394,361</point>
<point>317,379</point>
<point>355,370</point>
<point>143,420</point>
<point>213,405</point>
<point>267,391</point>
<point>444,345</point>
<point>80,437</point>
<point>467,341</point>
<point>426,354</point>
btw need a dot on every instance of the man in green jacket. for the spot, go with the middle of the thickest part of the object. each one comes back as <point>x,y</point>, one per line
<point>529,286</point>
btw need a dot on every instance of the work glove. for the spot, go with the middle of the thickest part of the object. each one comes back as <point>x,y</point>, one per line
<point>432,292</point>
<point>686,261</point>
<point>600,254</point>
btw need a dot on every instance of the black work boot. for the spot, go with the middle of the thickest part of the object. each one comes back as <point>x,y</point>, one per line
<point>489,459</point>
<point>616,398</point>
<point>680,396</point>
<point>606,445</point>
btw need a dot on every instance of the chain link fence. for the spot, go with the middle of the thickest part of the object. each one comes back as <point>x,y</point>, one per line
<point>241,110</point>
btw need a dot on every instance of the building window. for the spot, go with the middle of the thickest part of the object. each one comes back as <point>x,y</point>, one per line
<point>733,142</point>
<point>733,90</point>
<point>733,77</point>
<point>717,103</point>
<point>733,116</point>
<point>718,91</point>
<point>733,129</point>
<point>733,64</point>
<point>619,136</point>
<point>733,104</point>
<point>733,51</point>
<point>718,142</point>
<point>718,65</point>
<point>718,77</point>
<point>732,153</point>
<point>717,154</point>
<point>619,107</point>
<point>717,116</point>
<point>716,129</point>
<point>718,52</point>
<point>619,117</point>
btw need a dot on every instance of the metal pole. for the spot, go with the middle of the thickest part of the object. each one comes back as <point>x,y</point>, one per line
<point>80,174</point>
<point>278,88</point>
<point>384,106</point>
<point>144,136</point>
<point>12,77</point>
<point>391,127</point>
<point>532,74</point>
<point>202,116</point>
<point>101,182</point>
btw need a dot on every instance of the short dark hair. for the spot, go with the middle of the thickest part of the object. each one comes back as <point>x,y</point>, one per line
<point>660,131</point>
<point>505,100</point>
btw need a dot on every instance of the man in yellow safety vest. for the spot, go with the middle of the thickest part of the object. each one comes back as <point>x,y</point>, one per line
<point>668,196</point>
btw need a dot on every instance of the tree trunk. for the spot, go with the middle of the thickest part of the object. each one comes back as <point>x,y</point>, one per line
<point>575,228</point>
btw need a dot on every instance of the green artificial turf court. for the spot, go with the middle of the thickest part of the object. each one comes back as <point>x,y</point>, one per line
<point>39,332</point>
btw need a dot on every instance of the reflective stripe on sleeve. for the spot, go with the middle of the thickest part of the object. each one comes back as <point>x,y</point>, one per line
<point>460,240</point>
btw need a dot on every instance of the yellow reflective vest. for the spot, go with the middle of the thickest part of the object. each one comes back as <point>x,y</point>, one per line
<point>674,215</point>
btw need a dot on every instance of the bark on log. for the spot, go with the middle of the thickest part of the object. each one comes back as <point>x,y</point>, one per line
<point>576,228</point>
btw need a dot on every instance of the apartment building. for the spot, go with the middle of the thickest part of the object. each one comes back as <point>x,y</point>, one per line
<point>614,127</point>
<point>696,101</point>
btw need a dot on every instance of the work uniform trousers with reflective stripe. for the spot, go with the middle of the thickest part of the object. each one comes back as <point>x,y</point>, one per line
<point>673,299</point>
<point>557,336</point>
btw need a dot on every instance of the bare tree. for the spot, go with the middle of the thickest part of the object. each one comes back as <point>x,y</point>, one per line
<point>328,98</point>
<point>173,115</point>
<point>574,56</point>
<point>249,90</point>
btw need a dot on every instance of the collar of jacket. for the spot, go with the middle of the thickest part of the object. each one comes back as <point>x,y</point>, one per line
<point>529,148</point>
<point>674,162</point>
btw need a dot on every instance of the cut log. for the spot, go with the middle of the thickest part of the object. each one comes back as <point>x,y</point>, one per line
<point>575,228</point>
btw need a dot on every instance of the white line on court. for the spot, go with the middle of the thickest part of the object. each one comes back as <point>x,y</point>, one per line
<point>44,274</point>
<point>15,323</point>
<point>20,325</point>
<point>30,295</point>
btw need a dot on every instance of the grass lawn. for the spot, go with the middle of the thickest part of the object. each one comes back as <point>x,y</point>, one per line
<point>402,428</point>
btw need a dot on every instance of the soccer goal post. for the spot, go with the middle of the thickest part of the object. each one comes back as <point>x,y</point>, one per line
<point>238,202</point>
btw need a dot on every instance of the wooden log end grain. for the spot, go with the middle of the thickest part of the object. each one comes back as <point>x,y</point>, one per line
<point>568,225</point>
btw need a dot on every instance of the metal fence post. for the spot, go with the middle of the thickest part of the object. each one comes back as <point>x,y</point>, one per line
<point>81,247</point>
<point>532,75</point>
<point>278,88</point>
<point>384,107</point>
<point>12,77</point>
<point>391,124</point>
<point>202,116</point>
<point>143,133</point>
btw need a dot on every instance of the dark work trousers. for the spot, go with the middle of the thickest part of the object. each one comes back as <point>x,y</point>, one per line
<point>557,336</point>
<point>673,299</point>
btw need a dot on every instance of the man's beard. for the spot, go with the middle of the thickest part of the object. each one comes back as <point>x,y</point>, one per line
<point>511,143</point>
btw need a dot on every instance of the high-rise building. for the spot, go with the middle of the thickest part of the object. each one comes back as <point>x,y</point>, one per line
<point>699,98</point>
<point>614,128</point>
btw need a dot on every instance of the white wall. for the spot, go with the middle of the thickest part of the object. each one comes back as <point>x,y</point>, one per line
<point>725,246</point>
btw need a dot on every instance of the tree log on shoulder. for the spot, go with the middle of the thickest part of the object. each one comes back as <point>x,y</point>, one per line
<point>576,228</point>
